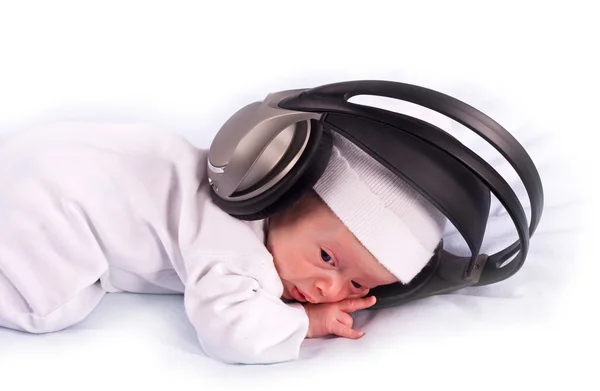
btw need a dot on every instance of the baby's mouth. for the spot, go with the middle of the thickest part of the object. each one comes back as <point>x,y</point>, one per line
<point>298,295</point>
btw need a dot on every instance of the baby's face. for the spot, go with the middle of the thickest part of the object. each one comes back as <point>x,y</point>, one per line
<point>318,259</point>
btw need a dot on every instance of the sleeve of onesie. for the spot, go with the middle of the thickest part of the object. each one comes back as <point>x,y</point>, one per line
<point>237,321</point>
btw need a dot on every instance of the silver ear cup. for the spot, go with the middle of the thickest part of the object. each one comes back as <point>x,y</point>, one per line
<point>268,159</point>
<point>301,177</point>
<point>276,160</point>
<point>257,147</point>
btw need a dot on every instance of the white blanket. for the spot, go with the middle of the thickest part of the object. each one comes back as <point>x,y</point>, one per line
<point>184,71</point>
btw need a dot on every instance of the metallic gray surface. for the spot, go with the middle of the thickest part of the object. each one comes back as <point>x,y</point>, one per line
<point>253,141</point>
<point>272,153</point>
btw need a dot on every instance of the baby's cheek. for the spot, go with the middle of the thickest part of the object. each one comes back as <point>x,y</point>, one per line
<point>285,265</point>
<point>298,270</point>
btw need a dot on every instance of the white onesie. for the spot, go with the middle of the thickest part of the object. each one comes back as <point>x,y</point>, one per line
<point>87,209</point>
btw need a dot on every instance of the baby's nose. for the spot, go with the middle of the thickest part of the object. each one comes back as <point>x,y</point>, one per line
<point>330,288</point>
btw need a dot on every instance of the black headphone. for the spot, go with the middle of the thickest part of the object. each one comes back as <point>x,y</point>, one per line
<point>269,153</point>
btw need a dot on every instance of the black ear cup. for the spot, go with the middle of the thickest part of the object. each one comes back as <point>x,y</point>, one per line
<point>301,178</point>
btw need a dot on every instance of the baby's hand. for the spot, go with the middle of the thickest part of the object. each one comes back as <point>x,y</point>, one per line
<point>334,318</point>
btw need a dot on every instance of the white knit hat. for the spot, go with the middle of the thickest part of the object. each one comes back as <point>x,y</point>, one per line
<point>393,221</point>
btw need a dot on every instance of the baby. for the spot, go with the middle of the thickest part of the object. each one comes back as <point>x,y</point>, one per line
<point>91,209</point>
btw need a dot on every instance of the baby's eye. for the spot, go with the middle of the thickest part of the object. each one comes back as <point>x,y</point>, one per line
<point>326,257</point>
<point>356,285</point>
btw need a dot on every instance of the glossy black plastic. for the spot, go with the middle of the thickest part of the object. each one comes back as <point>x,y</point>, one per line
<point>452,177</point>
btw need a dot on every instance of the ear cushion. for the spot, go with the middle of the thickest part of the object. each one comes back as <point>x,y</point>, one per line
<point>301,178</point>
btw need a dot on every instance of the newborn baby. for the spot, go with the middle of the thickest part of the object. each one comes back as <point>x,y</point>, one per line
<point>91,209</point>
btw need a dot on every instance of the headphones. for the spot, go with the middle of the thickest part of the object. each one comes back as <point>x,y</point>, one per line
<point>269,153</point>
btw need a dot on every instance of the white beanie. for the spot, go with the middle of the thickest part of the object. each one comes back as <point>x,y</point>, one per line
<point>397,225</point>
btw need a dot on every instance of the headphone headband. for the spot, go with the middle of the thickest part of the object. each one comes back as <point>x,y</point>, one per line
<point>452,177</point>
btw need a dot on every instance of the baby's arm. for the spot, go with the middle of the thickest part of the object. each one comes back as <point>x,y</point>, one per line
<point>237,321</point>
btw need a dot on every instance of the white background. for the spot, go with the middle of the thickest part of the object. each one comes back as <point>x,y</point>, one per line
<point>190,65</point>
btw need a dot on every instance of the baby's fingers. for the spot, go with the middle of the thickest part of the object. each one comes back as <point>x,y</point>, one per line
<point>345,319</point>
<point>343,327</point>
<point>352,305</point>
